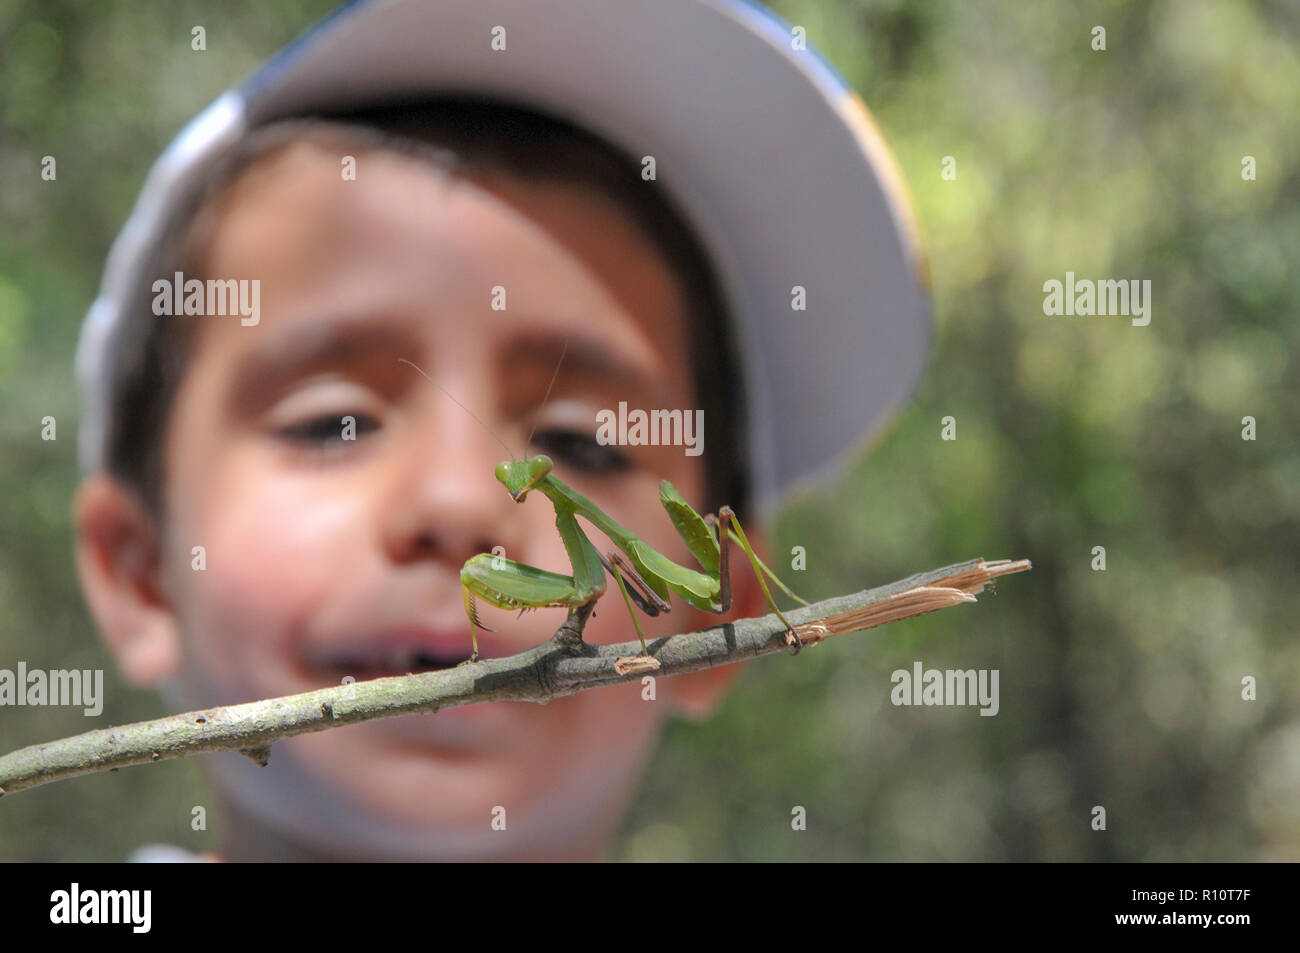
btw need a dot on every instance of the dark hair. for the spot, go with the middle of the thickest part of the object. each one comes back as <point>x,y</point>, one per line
<point>462,135</point>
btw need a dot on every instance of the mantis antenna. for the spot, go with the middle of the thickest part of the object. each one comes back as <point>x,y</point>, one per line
<point>466,409</point>
<point>563,351</point>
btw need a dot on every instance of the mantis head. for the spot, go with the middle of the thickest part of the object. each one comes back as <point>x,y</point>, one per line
<point>520,476</point>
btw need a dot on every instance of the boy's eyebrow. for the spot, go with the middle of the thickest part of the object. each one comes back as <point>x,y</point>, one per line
<point>585,355</point>
<point>301,346</point>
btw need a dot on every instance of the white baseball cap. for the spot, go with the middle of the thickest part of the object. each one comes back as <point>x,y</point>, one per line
<point>772,158</point>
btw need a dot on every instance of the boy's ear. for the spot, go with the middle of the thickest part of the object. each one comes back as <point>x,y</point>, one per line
<point>118,562</point>
<point>697,695</point>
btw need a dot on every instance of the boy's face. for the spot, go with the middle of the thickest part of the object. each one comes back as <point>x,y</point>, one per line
<point>328,557</point>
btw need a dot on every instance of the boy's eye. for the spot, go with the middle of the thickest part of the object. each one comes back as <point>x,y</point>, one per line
<point>329,429</point>
<point>581,450</point>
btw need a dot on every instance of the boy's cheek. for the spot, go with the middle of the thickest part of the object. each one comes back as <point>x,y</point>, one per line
<point>237,631</point>
<point>270,535</point>
<point>257,564</point>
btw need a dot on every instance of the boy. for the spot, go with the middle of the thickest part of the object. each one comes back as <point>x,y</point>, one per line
<point>335,494</point>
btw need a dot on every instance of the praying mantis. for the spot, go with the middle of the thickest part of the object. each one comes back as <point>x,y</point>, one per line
<point>654,577</point>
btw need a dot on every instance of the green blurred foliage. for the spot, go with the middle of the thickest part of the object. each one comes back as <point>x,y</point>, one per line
<point>1119,688</point>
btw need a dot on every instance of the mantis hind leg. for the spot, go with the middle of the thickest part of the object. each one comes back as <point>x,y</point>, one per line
<point>726,513</point>
<point>724,563</point>
<point>646,598</point>
<point>612,565</point>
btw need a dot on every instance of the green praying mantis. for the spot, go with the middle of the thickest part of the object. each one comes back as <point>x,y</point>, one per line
<point>653,577</point>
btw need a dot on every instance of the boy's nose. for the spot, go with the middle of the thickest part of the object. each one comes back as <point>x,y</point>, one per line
<point>446,504</point>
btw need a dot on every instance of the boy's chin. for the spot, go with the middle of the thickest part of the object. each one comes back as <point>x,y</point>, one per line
<point>292,809</point>
<point>299,816</point>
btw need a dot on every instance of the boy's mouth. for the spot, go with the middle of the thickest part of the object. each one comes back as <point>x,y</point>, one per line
<point>409,653</point>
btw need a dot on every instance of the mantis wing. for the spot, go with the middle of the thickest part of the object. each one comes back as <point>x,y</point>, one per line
<point>691,528</point>
<point>663,575</point>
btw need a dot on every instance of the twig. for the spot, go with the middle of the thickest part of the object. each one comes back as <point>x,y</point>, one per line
<point>564,665</point>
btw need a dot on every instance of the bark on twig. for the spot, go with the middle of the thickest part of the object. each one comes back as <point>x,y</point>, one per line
<point>563,665</point>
